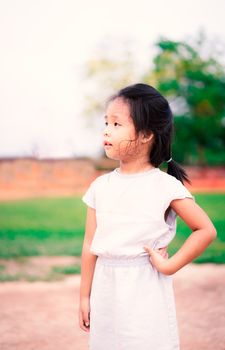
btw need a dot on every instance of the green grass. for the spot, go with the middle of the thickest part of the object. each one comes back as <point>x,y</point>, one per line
<point>56,227</point>
<point>41,227</point>
<point>67,270</point>
<point>47,277</point>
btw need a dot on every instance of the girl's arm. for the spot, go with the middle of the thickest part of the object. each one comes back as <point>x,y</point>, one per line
<point>203,234</point>
<point>88,261</point>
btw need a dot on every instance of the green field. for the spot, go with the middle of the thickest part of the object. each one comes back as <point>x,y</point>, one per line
<point>56,227</point>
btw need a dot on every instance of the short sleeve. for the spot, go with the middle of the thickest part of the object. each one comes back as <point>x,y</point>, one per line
<point>89,196</point>
<point>176,190</point>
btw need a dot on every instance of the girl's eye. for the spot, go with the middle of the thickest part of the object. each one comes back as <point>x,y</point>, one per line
<point>115,124</point>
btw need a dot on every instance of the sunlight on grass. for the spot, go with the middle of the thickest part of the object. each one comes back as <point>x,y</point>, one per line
<point>55,226</point>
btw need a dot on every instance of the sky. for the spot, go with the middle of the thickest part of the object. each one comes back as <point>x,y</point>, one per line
<point>45,46</point>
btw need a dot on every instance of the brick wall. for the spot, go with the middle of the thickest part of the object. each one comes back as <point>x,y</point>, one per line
<point>29,177</point>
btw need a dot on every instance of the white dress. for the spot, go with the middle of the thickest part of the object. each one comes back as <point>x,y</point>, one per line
<point>132,304</point>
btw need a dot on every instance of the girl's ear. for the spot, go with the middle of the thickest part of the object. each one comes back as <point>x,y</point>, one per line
<point>146,137</point>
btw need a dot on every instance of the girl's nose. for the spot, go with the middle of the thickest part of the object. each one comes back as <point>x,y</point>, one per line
<point>106,132</point>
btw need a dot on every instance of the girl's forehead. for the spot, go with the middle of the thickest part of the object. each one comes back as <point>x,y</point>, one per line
<point>118,108</point>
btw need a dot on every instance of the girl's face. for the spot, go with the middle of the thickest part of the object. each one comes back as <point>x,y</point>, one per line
<point>120,140</point>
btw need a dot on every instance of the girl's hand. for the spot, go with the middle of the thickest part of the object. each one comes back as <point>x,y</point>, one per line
<point>163,252</point>
<point>159,259</point>
<point>84,314</point>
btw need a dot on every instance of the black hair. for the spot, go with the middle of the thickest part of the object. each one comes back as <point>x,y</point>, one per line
<point>151,113</point>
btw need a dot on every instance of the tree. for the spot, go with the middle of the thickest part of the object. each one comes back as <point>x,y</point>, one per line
<point>195,85</point>
<point>189,74</point>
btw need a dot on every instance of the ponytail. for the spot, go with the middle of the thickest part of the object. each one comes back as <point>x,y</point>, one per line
<point>177,171</point>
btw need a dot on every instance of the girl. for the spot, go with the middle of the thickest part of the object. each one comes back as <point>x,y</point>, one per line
<point>126,292</point>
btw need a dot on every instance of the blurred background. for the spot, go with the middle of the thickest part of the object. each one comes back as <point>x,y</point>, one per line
<point>59,62</point>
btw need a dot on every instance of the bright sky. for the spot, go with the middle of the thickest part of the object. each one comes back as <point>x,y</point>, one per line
<point>44,46</point>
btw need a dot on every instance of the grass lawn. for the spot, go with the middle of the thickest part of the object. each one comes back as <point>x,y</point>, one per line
<point>56,227</point>
<point>42,227</point>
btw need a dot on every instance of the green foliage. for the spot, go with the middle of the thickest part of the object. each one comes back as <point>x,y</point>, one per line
<point>195,85</point>
<point>189,74</point>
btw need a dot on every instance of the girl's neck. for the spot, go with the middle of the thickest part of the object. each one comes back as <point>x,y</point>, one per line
<point>135,166</point>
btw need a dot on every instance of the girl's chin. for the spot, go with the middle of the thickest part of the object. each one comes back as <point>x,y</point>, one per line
<point>109,154</point>
<point>115,157</point>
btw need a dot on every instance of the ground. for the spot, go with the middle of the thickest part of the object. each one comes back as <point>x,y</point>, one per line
<point>44,315</point>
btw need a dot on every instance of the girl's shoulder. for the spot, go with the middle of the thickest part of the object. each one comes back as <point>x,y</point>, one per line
<point>96,186</point>
<point>173,187</point>
<point>170,179</point>
<point>101,179</point>
<point>167,178</point>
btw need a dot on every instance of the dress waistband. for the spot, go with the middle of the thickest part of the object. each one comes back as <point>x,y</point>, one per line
<point>124,261</point>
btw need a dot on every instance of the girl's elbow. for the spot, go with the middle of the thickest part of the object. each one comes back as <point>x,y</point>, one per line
<point>212,232</point>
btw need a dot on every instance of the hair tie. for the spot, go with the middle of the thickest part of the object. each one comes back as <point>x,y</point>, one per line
<point>169,160</point>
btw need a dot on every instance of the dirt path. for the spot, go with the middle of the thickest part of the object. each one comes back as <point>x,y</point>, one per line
<point>44,315</point>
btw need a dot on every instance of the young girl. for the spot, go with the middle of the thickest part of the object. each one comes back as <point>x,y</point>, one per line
<point>126,292</point>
